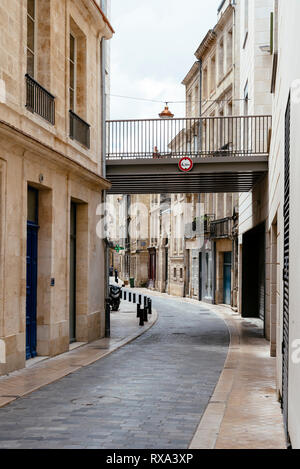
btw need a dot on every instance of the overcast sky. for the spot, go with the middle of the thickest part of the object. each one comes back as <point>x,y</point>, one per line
<point>152,51</point>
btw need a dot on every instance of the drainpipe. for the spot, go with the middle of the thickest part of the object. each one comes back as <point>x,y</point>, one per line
<point>200,114</point>
<point>103,135</point>
<point>200,86</point>
<point>200,102</point>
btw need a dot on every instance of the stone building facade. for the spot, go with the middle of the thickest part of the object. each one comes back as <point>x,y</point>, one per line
<point>254,247</point>
<point>212,91</point>
<point>131,230</point>
<point>51,177</point>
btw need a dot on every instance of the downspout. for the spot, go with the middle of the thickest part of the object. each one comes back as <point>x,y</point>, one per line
<point>103,135</point>
<point>200,146</point>
<point>200,86</point>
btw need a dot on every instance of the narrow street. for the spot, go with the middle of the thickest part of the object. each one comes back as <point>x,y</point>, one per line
<point>149,394</point>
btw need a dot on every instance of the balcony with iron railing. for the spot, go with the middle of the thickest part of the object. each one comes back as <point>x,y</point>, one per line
<point>199,226</point>
<point>39,100</point>
<point>234,136</point>
<point>220,229</point>
<point>79,130</point>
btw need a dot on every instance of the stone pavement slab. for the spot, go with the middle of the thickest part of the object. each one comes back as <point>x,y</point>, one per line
<point>244,412</point>
<point>150,394</point>
<point>124,328</point>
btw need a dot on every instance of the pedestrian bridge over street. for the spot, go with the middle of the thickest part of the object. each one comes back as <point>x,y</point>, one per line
<point>226,154</point>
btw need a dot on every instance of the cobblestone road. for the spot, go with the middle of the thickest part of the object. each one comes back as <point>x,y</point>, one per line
<point>149,394</point>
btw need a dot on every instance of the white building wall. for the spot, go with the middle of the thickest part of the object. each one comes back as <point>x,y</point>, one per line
<point>288,72</point>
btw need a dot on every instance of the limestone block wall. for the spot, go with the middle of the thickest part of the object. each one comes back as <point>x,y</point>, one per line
<point>20,167</point>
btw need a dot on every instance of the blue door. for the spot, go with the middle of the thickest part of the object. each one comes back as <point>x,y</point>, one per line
<point>227,278</point>
<point>31,274</point>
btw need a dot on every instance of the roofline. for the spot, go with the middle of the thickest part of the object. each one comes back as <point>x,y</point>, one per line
<point>211,36</point>
<point>104,17</point>
<point>207,41</point>
<point>193,70</point>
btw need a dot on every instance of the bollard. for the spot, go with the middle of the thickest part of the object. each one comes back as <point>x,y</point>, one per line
<point>141,317</point>
<point>140,299</point>
<point>138,308</point>
<point>146,314</point>
<point>149,306</point>
<point>129,295</point>
<point>107,317</point>
<point>134,298</point>
<point>145,302</point>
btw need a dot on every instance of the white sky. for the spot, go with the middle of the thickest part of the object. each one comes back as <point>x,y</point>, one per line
<point>152,51</point>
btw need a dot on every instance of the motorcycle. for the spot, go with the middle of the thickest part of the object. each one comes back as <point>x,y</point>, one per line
<point>115,294</point>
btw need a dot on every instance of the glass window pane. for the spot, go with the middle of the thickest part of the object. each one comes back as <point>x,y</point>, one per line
<point>72,75</point>
<point>30,34</point>
<point>72,48</point>
<point>31,8</point>
<point>32,205</point>
<point>71,99</point>
<point>30,63</point>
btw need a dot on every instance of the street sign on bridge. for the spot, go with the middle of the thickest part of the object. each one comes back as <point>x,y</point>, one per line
<point>186,164</point>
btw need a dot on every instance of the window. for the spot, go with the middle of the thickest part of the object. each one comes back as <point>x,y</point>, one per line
<point>221,59</point>
<point>73,61</point>
<point>229,50</point>
<point>213,74</point>
<point>31,36</point>
<point>204,86</point>
<point>246,21</point>
<point>181,274</point>
<point>175,272</point>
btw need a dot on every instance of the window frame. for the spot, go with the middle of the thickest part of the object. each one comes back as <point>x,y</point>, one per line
<point>74,63</point>
<point>28,49</point>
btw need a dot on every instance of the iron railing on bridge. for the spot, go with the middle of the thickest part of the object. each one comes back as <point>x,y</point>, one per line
<point>193,137</point>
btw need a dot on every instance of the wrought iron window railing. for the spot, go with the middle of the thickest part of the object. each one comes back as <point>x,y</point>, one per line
<point>221,228</point>
<point>39,100</point>
<point>199,226</point>
<point>79,130</point>
<point>193,137</point>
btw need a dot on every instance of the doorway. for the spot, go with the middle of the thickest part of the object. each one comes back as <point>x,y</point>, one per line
<point>73,243</point>
<point>166,269</point>
<point>227,278</point>
<point>254,273</point>
<point>200,276</point>
<point>152,268</point>
<point>31,273</point>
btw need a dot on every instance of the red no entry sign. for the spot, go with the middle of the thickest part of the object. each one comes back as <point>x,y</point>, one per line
<point>186,164</point>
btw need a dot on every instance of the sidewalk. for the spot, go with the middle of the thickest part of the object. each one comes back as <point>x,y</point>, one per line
<point>244,412</point>
<point>124,329</point>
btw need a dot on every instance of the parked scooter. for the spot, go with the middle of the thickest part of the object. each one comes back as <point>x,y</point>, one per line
<point>115,294</point>
<point>115,291</point>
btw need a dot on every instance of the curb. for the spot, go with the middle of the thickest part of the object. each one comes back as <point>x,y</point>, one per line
<point>208,430</point>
